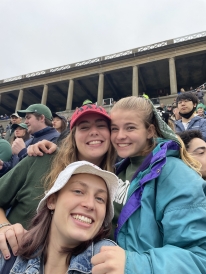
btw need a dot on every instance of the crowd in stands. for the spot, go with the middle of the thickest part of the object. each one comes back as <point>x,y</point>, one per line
<point>63,190</point>
<point>4,117</point>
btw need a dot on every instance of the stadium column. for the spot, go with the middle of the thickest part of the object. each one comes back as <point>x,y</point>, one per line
<point>173,79</point>
<point>135,81</point>
<point>19,100</point>
<point>44,95</point>
<point>100,90</point>
<point>70,94</point>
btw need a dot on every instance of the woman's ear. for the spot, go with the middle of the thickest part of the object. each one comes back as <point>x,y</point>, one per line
<point>51,201</point>
<point>151,131</point>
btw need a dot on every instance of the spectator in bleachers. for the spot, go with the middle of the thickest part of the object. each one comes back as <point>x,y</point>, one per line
<point>1,129</point>
<point>38,119</point>
<point>3,135</point>
<point>86,102</point>
<point>20,131</point>
<point>200,110</point>
<point>15,119</point>
<point>187,103</point>
<point>200,95</point>
<point>196,146</point>
<point>59,122</point>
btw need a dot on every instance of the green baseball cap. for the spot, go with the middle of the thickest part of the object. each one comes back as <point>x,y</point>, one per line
<point>86,102</point>
<point>14,126</point>
<point>37,108</point>
<point>5,150</point>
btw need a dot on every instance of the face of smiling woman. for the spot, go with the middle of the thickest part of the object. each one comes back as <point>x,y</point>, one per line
<point>92,138</point>
<point>79,210</point>
<point>129,135</point>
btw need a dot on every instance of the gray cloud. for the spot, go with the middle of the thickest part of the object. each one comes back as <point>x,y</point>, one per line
<point>38,34</point>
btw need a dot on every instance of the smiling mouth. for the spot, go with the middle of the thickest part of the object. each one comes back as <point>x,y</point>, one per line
<point>94,142</point>
<point>82,219</point>
<point>123,145</point>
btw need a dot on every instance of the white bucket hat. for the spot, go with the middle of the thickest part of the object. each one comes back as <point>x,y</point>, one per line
<point>110,179</point>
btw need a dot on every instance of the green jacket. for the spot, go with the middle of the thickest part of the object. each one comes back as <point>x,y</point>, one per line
<point>22,188</point>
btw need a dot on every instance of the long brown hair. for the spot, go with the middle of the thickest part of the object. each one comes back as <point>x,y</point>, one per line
<point>26,137</point>
<point>68,153</point>
<point>36,240</point>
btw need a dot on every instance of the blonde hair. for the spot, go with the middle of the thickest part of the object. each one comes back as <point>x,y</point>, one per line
<point>68,153</point>
<point>188,159</point>
<point>144,111</point>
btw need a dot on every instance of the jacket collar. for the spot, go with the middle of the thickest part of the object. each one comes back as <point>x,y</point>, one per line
<point>41,132</point>
<point>80,263</point>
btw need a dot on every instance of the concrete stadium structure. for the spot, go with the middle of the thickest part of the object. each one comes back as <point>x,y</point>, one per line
<point>159,70</point>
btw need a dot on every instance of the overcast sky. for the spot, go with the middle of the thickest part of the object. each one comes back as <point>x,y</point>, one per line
<point>42,34</point>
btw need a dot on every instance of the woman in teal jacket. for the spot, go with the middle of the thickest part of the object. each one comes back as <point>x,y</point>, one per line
<point>160,205</point>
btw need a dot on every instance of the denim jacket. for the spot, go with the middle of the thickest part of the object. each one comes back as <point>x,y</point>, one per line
<point>78,264</point>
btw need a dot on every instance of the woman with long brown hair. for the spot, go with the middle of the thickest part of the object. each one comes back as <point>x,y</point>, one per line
<point>88,140</point>
<point>71,222</point>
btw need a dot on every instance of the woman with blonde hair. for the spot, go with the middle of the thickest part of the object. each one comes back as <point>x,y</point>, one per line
<point>160,206</point>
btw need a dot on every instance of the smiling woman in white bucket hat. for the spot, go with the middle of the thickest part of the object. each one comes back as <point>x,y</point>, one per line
<point>71,221</point>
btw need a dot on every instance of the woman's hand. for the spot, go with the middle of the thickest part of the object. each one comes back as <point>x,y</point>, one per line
<point>10,235</point>
<point>110,260</point>
<point>41,147</point>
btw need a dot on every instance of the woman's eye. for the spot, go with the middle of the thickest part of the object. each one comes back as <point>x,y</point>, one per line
<point>101,200</point>
<point>77,191</point>
<point>113,128</point>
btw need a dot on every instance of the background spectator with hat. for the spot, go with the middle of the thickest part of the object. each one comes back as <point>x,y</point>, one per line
<point>20,131</point>
<point>200,110</point>
<point>86,102</point>
<point>14,119</point>
<point>38,119</point>
<point>59,122</point>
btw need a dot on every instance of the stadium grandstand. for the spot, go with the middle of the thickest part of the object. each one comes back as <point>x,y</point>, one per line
<point>159,70</point>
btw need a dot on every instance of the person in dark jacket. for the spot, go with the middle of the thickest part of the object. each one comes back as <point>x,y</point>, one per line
<point>186,104</point>
<point>38,119</point>
<point>15,119</point>
<point>200,95</point>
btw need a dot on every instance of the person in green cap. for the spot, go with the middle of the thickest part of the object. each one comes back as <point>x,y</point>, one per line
<point>20,131</point>
<point>200,110</point>
<point>86,102</point>
<point>14,119</point>
<point>38,119</point>
<point>5,150</point>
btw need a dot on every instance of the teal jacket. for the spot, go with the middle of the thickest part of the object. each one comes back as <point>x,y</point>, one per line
<point>162,226</point>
